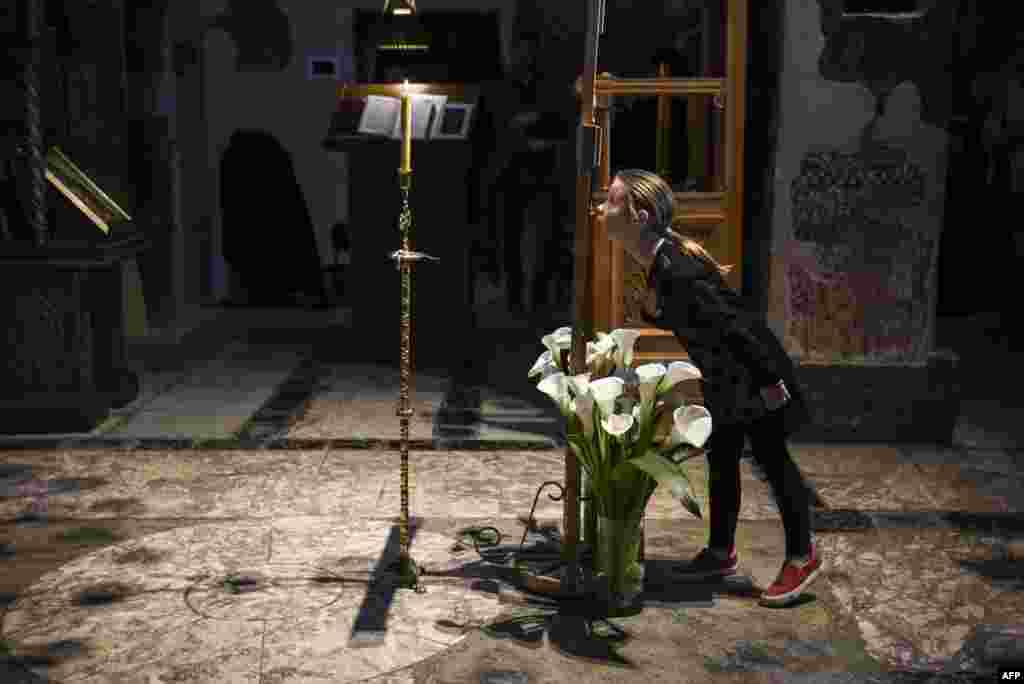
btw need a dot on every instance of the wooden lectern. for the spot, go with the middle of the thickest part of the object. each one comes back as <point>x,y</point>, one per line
<point>443,319</point>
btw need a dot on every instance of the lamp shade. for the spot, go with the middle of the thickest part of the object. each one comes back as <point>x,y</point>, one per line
<point>402,32</point>
<point>400,7</point>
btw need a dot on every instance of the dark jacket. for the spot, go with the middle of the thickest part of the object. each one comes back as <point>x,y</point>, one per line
<point>733,347</point>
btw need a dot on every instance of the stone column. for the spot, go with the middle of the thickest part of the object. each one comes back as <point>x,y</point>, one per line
<point>34,143</point>
<point>152,159</point>
<point>859,193</point>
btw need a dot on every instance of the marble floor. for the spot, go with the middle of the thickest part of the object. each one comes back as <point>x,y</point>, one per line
<point>259,566</point>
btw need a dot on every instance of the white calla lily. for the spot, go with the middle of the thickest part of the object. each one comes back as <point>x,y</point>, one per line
<point>605,392</point>
<point>617,424</point>
<point>549,370</point>
<point>626,404</point>
<point>599,364</point>
<point>556,387</point>
<point>600,355</point>
<point>557,342</point>
<point>584,410</point>
<point>691,425</point>
<point>605,343</point>
<point>628,400</point>
<point>677,372</point>
<point>579,384</point>
<point>543,361</point>
<point>627,375</point>
<point>625,341</point>
<point>650,374</point>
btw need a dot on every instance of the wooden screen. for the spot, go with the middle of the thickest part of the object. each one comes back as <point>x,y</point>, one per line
<point>714,120</point>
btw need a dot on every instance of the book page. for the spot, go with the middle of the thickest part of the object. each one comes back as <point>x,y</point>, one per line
<point>380,115</point>
<point>424,109</point>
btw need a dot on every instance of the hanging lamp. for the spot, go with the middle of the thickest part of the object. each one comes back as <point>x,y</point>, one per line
<point>400,28</point>
<point>400,7</point>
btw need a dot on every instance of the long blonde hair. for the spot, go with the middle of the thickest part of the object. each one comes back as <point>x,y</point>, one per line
<point>646,190</point>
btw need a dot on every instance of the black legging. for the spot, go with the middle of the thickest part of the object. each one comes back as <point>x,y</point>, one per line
<point>725,447</point>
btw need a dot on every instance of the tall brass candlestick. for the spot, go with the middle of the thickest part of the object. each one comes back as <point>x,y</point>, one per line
<point>405,566</point>
<point>406,167</point>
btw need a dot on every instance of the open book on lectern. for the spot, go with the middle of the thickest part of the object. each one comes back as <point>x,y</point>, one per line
<point>382,115</point>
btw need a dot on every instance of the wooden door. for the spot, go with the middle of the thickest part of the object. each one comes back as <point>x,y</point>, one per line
<point>713,217</point>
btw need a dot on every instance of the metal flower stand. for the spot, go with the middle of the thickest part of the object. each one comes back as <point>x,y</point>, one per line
<point>542,568</point>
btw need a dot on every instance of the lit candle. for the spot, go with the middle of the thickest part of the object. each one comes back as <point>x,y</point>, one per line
<point>406,129</point>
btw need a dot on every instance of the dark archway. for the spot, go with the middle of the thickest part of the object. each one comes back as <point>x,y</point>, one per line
<point>268,237</point>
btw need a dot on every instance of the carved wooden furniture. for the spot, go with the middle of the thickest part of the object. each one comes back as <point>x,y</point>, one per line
<point>63,365</point>
<point>714,218</point>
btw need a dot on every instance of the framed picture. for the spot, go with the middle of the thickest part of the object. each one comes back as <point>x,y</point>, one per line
<point>325,67</point>
<point>74,184</point>
<point>380,115</point>
<point>454,121</point>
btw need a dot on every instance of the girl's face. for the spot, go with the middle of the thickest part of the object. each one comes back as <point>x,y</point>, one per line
<point>615,214</point>
<point>632,232</point>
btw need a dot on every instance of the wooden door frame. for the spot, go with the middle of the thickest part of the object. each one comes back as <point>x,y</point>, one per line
<point>705,214</point>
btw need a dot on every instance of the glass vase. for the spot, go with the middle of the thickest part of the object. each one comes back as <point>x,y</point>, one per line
<point>589,514</point>
<point>620,573</point>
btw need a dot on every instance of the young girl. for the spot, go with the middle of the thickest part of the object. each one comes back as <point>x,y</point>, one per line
<point>748,379</point>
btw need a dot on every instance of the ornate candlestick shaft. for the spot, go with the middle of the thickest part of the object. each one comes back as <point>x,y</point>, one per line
<point>406,567</point>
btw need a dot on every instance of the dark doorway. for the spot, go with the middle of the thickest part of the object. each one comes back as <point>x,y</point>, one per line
<point>268,233</point>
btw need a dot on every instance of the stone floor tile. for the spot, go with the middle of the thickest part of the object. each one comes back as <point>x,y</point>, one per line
<point>361,420</point>
<point>316,648</point>
<point>845,459</point>
<point>341,543</point>
<point>442,615</point>
<point>923,601</point>
<point>428,487</point>
<point>219,549</point>
<point>205,651</point>
<point>311,494</point>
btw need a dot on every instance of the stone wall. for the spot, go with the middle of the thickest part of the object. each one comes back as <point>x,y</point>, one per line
<point>859,179</point>
<point>859,183</point>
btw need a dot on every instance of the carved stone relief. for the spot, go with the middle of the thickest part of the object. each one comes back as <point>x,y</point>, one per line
<point>855,281</point>
<point>882,52</point>
<point>858,271</point>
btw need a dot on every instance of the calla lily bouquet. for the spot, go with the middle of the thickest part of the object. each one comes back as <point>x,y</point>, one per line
<point>622,427</point>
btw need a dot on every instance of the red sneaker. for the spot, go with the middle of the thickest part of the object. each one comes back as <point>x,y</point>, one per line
<point>792,580</point>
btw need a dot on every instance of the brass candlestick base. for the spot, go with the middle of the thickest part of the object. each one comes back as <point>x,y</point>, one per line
<point>405,567</point>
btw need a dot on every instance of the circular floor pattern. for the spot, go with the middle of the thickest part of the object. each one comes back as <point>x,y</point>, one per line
<point>283,600</point>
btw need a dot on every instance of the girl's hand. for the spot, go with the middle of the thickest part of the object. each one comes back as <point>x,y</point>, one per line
<point>775,396</point>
